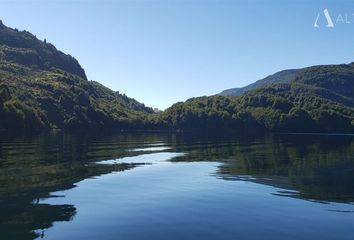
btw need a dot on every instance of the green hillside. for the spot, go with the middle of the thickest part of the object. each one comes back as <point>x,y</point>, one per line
<point>319,99</point>
<point>43,88</point>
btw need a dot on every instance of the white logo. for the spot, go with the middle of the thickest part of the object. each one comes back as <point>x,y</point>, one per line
<point>328,18</point>
<point>333,20</point>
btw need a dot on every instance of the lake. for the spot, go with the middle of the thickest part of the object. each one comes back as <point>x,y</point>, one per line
<point>177,186</point>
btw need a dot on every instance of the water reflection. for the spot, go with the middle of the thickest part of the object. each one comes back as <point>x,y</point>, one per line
<point>319,168</point>
<point>33,167</point>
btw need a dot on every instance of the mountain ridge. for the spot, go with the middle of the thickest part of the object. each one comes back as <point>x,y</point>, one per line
<point>43,88</point>
<point>319,99</point>
<point>284,76</point>
<point>23,47</point>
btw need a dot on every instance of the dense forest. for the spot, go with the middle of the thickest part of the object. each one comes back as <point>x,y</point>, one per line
<point>319,99</point>
<point>43,88</point>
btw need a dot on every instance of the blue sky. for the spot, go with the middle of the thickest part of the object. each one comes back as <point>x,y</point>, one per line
<point>161,52</point>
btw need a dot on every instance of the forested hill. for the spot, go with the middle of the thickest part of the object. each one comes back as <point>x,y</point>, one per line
<point>319,99</point>
<point>43,88</point>
<point>24,48</point>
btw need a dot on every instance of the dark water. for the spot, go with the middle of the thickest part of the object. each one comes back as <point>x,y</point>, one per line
<point>161,186</point>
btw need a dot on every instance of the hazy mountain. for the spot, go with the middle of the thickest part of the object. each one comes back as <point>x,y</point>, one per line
<point>284,76</point>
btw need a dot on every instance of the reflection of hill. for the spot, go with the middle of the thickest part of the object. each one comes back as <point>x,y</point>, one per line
<point>319,167</point>
<point>32,168</point>
<point>311,167</point>
<point>19,220</point>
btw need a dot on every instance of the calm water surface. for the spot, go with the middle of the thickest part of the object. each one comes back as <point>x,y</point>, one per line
<point>161,186</point>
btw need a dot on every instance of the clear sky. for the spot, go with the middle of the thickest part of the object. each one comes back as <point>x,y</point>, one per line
<point>161,52</point>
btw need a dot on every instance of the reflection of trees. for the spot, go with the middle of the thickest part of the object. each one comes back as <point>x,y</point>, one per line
<point>31,168</point>
<point>319,167</point>
<point>19,220</point>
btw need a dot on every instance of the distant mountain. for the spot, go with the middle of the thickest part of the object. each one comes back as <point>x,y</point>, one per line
<point>43,88</point>
<point>319,99</point>
<point>284,76</point>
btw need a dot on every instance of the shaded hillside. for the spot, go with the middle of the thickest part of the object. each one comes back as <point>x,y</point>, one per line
<point>24,48</point>
<point>319,99</point>
<point>284,76</point>
<point>41,87</point>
